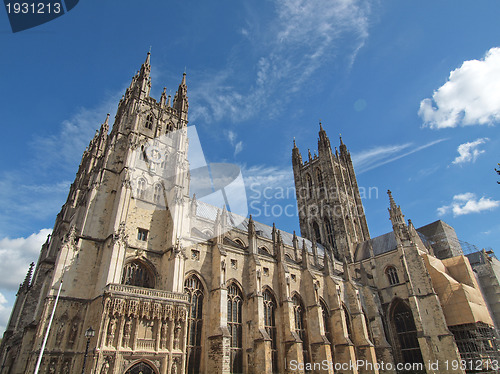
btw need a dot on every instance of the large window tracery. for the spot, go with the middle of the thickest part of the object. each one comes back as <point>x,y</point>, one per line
<point>270,307</point>
<point>135,273</point>
<point>194,289</point>
<point>406,332</point>
<point>300,327</point>
<point>234,324</point>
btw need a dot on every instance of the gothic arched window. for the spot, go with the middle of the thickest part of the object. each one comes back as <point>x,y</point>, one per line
<point>319,177</point>
<point>141,188</point>
<point>317,233</point>
<point>157,193</point>
<point>329,232</point>
<point>309,185</point>
<point>135,273</point>
<point>406,332</point>
<point>300,327</point>
<point>234,324</point>
<point>392,275</point>
<point>270,326</point>
<point>194,289</point>
<point>149,122</point>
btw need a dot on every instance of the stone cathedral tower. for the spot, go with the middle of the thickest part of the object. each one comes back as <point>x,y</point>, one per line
<point>109,234</point>
<point>328,198</point>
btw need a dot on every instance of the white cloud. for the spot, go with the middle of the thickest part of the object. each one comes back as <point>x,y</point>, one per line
<point>4,312</point>
<point>469,152</point>
<point>471,96</point>
<point>468,203</point>
<point>288,47</point>
<point>16,255</point>
<point>381,155</point>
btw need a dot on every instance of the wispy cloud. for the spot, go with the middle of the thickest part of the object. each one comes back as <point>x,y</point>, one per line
<point>260,177</point>
<point>468,203</point>
<point>471,96</point>
<point>469,152</point>
<point>65,147</point>
<point>381,155</point>
<point>35,191</point>
<point>232,137</point>
<point>300,37</point>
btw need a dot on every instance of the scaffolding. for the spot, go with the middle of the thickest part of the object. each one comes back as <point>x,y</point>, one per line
<point>478,346</point>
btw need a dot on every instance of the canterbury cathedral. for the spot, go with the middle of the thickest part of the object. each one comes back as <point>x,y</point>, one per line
<point>142,276</point>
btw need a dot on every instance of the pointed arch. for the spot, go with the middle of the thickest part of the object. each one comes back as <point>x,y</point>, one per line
<point>139,273</point>
<point>240,242</point>
<point>392,275</point>
<point>270,310</point>
<point>404,332</point>
<point>149,122</point>
<point>235,326</point>
<point>141,188</point>
<point>264,251</point>
<point>330,233</point>
<point>193,287</point>
<point>299,314</point>
<point>319,177</point>
<point>157,193</point>
<point>309,185</point>
<point>142,366</point>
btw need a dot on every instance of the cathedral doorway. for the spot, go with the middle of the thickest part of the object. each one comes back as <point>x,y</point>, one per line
<point>140,368</point>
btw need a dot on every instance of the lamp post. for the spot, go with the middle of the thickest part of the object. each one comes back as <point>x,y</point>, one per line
<point>88,334</point>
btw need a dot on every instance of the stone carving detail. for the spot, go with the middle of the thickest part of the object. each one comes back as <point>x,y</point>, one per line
<point>177,335</point>
<point>164,334</point>
<point>66,367</point>
<point>73,332</point>
<point>60,332</point>
<point>127,328</point>
<point>52,366</point>
<point>111,331</point>
<point>175,366</point>
<point>120,235</point>
<point>105,366</point>
<point>117,307</point>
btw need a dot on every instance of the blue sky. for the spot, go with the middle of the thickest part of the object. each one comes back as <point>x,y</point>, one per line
<point>414,88</point>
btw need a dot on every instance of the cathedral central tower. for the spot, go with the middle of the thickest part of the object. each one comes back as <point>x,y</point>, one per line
<point>328,198</point>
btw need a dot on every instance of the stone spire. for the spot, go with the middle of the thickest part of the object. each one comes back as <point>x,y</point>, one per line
<point>323,141</point>
<point>181,100</point>
<point>398,220</point>
<point>163,98</point>
<point>296,156</point>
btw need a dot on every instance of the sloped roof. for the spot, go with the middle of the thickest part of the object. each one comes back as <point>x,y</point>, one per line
<point>209,212</point>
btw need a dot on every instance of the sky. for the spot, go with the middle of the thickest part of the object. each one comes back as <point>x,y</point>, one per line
<point>413,87</point>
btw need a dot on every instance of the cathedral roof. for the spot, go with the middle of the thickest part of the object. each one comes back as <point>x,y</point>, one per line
<point>236,221</point>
